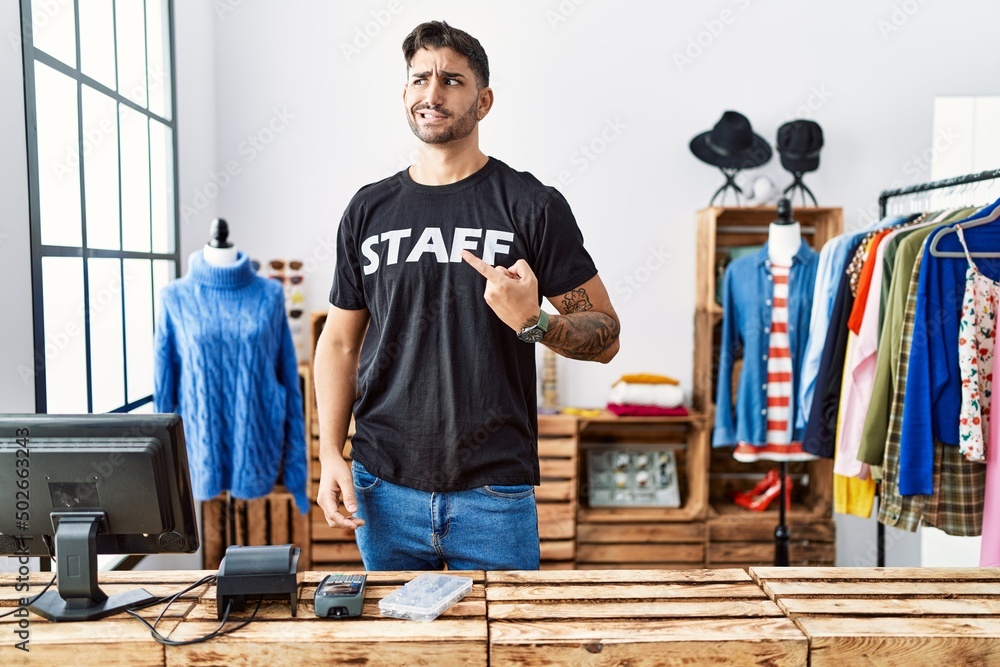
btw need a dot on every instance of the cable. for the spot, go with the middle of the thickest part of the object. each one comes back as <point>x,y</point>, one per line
<point>218,632</point>
<point>32,600</point>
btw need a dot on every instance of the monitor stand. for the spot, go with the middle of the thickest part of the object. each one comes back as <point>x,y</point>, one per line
<point>79,598</point>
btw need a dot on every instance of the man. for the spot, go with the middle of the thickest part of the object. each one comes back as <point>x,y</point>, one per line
<point>435,309</point>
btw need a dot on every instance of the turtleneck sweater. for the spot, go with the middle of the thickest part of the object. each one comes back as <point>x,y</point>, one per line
<point>225,362</point>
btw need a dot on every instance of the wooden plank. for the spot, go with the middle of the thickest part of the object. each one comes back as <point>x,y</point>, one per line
<point>651,654</point>
<point>335,552</point>
<point>321,532</point>
<point>557,549</point>
<point>716,609</point>
<point>847,589</point>
<point>213,534</point>
<point>891,607</point>
<point>556,490</point>
<point>658,565</point>
<point>280,653</point>
<point>658,577</point>
<point>819,530</point>
<point>639,553</point>
<point>622,591</point>
<point>707,631</point>
<point>278,508</point>
<point>564,448</point>
<point>556,521</point>
<point>901,626</point>
<point>113,642</point>
<point>257,521</point>
<point>301,538</point>
<point>556,425</point>
<point>559,468</point>
<point>904,651</point>
<point>321,631</point>
<point>823,574</point>
<point>557,565</point>
<point>640,532</point>
<point>240,511</point>
<point>636,514</point>
<point>763,552</point>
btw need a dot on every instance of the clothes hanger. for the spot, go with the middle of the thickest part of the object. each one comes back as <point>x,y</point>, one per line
<point>965,226</point>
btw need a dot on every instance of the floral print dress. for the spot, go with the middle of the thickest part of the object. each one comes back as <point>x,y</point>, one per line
<point>976,332</point>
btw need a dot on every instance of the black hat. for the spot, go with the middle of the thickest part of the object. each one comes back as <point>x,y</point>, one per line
<point>799,142</point>
<point>731,144</point>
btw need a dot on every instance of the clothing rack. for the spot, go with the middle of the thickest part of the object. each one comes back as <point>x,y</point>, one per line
<point>883,201</point>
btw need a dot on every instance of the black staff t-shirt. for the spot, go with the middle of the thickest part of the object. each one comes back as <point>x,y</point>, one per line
<point>446,389</point>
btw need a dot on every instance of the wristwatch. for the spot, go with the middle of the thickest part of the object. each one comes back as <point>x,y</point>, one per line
<point>534,333</point>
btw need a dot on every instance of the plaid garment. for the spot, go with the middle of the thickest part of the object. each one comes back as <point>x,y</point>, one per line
<point>959,485</point>
<point>959,491</point>
<point>896,510</point>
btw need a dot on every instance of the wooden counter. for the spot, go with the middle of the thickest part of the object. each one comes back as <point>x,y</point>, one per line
<point>891,616</point>
<point>773,616</point>
<point>638,618</point>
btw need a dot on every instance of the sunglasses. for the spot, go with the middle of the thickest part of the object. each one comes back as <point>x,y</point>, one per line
<point>295,313</point>
<point>295,280</point>
<point>278,264</point>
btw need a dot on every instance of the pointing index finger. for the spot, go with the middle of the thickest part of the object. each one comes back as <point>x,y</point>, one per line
<point>487,271</point>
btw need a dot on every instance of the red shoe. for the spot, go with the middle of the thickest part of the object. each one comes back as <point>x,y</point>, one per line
<point>770,478</point>
<point>760,502</point>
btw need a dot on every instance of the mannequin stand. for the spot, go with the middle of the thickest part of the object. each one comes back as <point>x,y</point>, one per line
<point>781,532</point>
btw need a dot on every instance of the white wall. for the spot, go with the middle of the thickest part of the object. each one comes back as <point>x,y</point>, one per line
<point>17,382</point>
<point>648,75</point>
<point>563,72</point>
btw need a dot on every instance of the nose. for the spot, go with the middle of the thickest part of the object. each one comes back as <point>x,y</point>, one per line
<point>435,91</point>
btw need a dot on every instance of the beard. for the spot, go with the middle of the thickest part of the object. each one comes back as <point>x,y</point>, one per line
<point>459,128</point>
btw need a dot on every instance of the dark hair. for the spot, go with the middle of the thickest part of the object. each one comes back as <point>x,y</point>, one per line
<point>437,34</point>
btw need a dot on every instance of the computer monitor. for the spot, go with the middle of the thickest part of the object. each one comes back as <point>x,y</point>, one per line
<point>82,485</point>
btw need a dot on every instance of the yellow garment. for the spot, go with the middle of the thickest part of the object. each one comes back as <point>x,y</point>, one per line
<point>646,378</point>
<point>850,494</point>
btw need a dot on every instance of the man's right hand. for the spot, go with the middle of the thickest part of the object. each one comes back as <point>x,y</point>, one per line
<point>336,485</point>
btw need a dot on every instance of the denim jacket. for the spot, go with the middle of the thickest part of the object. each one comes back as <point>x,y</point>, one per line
<point>747,293</point>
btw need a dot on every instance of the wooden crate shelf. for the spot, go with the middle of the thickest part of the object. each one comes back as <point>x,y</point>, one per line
<point>556,497</point>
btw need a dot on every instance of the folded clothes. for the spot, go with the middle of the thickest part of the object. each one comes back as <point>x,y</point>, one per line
<point>646,411</point>
<point>647,378</point>
<point>662,395</point>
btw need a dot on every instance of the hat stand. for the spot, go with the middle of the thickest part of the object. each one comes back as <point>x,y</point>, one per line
<point>730,174</point>
<point>801,188</point>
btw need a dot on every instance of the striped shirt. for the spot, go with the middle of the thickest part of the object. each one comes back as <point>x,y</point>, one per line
<point>779,445</point>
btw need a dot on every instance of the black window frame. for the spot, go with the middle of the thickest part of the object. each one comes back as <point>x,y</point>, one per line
<point>39,251</point>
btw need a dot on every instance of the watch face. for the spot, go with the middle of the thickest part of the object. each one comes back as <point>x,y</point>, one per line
<point>532,335</point>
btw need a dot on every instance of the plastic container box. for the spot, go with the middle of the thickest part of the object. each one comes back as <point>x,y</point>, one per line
<point>426,597</point>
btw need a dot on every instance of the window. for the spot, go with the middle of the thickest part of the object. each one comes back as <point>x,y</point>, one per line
<point>102,178</point>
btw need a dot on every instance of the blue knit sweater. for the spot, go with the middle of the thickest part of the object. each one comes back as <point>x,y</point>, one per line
<point>225,362</point>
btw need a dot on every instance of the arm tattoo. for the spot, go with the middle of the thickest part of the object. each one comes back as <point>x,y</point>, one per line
<point>577,301</point>
<point>580,334</point>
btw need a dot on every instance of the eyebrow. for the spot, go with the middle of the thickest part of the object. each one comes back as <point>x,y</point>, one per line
<point>450,75</point>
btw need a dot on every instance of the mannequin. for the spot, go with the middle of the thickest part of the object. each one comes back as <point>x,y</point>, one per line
<point>784,235</point>
<point>784,238</point>
<point>219,251</point>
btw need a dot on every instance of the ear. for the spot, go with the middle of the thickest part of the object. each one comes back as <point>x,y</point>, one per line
<point>485,102</point>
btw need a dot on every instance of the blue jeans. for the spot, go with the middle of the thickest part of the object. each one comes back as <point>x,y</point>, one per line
<point>486,528</point>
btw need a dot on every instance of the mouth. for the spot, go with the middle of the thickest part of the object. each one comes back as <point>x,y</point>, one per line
<point>430,116</point>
